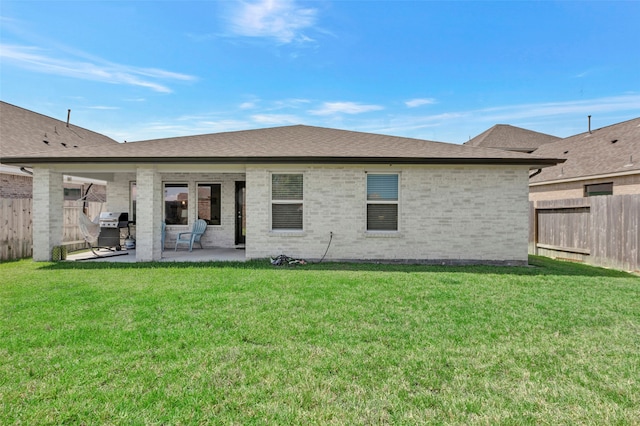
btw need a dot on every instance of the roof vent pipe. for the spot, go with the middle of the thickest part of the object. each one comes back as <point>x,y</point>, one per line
<point>69,116</point>
<point>589,123</point>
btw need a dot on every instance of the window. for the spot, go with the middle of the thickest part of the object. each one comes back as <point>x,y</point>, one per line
<point>286,201</point>
<point>598,189</point>
<point>382,202</point>
<point>72,193</point>
<point>133,197</point>
<point>176,203</point>
<point>209,202</point>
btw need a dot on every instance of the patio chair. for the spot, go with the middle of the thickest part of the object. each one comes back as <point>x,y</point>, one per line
<point>192,236</point>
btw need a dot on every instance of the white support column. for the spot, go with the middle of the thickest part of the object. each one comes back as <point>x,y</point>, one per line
<point>148,214</point>
<point>48,196</point>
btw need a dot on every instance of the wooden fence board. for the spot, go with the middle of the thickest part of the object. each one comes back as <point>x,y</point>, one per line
<point>16,230</point>
<point>602,230</point>
<point>567,227</point>
<point>15,233</point>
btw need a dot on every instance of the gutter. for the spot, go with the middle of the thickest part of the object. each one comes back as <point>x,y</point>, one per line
<point>534,163</point>
<point>581,178</point>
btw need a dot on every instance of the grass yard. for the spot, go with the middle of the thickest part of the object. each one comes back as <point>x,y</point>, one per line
<point>83,343</point>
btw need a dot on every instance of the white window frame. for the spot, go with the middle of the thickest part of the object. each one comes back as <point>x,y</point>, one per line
<point>272,202</point>
<point>164,203</point>
<point>378,202</point>
<point>198,198</point>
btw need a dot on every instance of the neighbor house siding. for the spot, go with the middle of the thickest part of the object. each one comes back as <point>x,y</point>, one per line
<point>622,185</point>
<point>15,186</point>
<point>448,213</point>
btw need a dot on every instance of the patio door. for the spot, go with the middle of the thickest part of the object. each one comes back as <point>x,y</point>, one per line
<point>240,212</point>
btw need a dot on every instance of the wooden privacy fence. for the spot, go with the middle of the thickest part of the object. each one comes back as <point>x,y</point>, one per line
<point>16,237</point>
<point>602,230</point>
<point>16,232</point>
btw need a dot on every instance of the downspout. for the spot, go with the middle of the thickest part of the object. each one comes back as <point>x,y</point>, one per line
<point>85,204</point>
<point>537,172</point>
<point>23,170</point>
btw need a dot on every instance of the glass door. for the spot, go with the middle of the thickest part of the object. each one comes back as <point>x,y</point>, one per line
<point>241,227</point>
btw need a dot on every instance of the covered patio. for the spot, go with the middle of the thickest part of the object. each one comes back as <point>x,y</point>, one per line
<point>214,254</point>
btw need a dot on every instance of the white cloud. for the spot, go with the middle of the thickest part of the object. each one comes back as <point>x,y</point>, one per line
<point>552,109</point>
<point>330,108</point>
<point>94,69</point>
<point>556,118</point>
<point>290,103</point>
<point>413,103</point>
<point>282,20</point>
<point>275,119</point>
<point>247,105</point>
<point>103,108</point>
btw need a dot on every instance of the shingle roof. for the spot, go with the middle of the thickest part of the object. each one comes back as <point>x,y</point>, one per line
<point>24,132</point>
<point>608,150</point>
<point>504,136</point>
<point>290,144</point>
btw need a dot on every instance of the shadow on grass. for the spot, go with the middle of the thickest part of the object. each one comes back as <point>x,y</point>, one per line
<point>538,266</point>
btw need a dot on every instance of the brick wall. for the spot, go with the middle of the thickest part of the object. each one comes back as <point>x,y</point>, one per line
<point>21,186</point>
<point>453,214</point>
<point>48,213</point>
<point>622,185</point>
<point>15,186</point>
<point>222,235</point>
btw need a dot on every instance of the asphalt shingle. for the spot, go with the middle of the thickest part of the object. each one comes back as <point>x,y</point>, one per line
<point>24,132</point>
<point>608,150</point>
<point>511,138</point>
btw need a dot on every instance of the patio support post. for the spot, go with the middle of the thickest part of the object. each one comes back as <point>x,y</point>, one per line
<point>48,197</point>
<point>148,214</point>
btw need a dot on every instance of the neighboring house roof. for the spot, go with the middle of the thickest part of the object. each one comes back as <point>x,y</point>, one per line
<point>511,138</point>
<point>608,151</point>
<point>288,144</point>
<point>24,132</point>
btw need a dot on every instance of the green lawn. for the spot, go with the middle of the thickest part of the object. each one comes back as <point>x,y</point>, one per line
<point>96,343</point>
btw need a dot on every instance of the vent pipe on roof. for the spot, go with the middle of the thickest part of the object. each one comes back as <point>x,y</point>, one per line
<point>589,123</point>
<point>69,116</point>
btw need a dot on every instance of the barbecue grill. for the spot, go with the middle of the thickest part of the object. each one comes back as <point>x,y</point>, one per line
<point>110,225</point>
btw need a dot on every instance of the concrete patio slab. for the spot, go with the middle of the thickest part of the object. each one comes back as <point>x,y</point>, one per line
<point>213,254</point>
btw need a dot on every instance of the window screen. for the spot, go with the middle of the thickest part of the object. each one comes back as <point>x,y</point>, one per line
<point>382,202</point>
<point>286,201</point>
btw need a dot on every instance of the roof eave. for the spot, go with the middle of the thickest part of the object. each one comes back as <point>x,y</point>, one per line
<point>533,162</point>
<point>586,177</point>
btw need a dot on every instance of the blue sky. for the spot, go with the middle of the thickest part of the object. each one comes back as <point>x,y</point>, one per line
<point>442,71</point>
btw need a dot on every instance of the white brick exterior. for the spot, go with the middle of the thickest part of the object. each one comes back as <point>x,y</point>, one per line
<point>454,214</point>
<point>147,230</point>
<point>149,214</point>
<point>48,196</point>
<point>450,214</point>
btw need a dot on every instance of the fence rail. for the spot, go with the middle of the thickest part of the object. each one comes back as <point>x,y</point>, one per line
<point>601,230</point>
<point>16,232</point>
